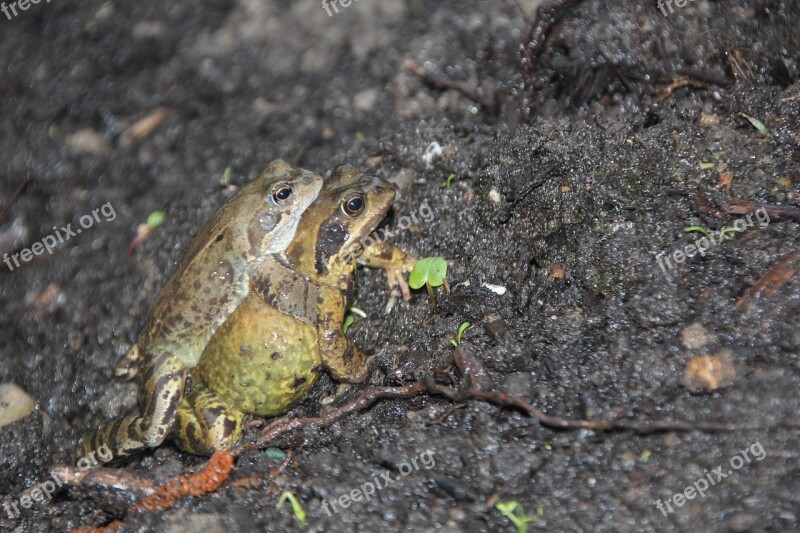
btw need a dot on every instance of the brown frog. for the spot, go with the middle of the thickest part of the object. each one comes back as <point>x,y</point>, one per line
<point>273,347</point>
<point>211,279</point>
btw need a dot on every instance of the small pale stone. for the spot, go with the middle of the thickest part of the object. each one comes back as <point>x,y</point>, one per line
<point>86,142</point>
<point>695,336</point>
<point>15,404</point>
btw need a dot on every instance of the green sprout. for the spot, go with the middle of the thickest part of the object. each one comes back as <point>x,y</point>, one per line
<point>449,181</point>
<point>156,219</point>
<point>757,124</point>
<point>274,453</point>
<point>360,137</point>
<point>514,512</point>
<point>645,456</point>
<point>430,272</point>
<point>225,180</point>
<point>461,329</point>
<point>297,509</point>
<point>704,231</point>
<point>727,229</point>
<point>350,318</point>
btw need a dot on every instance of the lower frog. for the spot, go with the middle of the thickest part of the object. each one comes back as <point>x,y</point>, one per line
<point>288,329</point>
<point>210,280</point>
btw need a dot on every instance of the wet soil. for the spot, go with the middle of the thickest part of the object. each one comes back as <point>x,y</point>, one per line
<point>575,176</point>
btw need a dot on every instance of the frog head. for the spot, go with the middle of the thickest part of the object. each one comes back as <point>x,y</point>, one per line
<point>348,209</point>
<point>277,198</point>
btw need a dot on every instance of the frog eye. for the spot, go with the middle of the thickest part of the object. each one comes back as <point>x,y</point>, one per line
<point>281,194</point>
<point>353,205</point>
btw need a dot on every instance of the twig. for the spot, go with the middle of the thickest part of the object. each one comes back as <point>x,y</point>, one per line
<point>462,88</point>
<point>785,270</point>
<point>19,192</point>
<point>742,207</point>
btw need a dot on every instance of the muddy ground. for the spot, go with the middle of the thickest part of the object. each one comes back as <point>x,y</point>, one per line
<point>573,173</point>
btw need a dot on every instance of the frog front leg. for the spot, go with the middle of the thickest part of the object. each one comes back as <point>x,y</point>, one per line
<point>341,357</point>
<point>163,381</point>
<point>392,260</point>
<point>204,423</point>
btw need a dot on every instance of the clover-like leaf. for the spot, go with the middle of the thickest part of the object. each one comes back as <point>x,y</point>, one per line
<point>430,271</point>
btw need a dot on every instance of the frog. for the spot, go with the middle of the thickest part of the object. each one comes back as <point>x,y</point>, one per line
<point>210,280</point>
<point>288,330</point>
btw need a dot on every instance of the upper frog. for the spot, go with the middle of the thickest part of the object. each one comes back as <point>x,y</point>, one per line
<point>210,280</point>
<point>272,349</point>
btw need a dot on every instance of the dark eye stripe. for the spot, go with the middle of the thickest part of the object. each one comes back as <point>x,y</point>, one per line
<point>330,240</point>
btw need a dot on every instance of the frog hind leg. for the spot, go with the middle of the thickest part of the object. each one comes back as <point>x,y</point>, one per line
<point>205,424</point>
<point>163,381</point>
<point>341,357</point>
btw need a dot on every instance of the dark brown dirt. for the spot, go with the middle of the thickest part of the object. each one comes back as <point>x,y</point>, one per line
<point>570,185</point>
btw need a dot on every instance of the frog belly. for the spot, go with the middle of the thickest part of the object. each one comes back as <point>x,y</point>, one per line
<point>260,360</point>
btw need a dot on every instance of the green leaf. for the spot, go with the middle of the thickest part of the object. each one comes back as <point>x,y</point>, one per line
<point>449,181</point>
<point>226,177</point>
<point>155,219</point>
<point>431,271</point>
<point>514,512</point>
<point>348,321</point>
<point>360,137</point>
<point>461,329</point>
<point>273,453</point>
<point>757,124</point>
<point>726,229</point>
<point>704,231</point>
<point>297,509</point>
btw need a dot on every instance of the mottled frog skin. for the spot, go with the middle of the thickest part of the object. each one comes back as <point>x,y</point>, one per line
<point>212,278</point>
<point>288,329</point>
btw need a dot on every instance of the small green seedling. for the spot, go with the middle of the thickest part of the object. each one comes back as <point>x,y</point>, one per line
<point>757,124</point>
<point>297,509</point>
<point>225,180</point>
<point>726,229</point>
<point>514,512</point>
<point>274,453</point>
<point>702,230</point>
<point>430,272</point>
<point>449,181</point>
<point>360,137</point>
<point>461,329</point>
<point>156,219</point>
<point>348,321</point>
<point>350,318</point>
<point>645,456</point>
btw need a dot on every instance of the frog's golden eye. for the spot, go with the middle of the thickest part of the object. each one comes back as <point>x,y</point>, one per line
<point>352,206</point>
<point>281,194</point>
